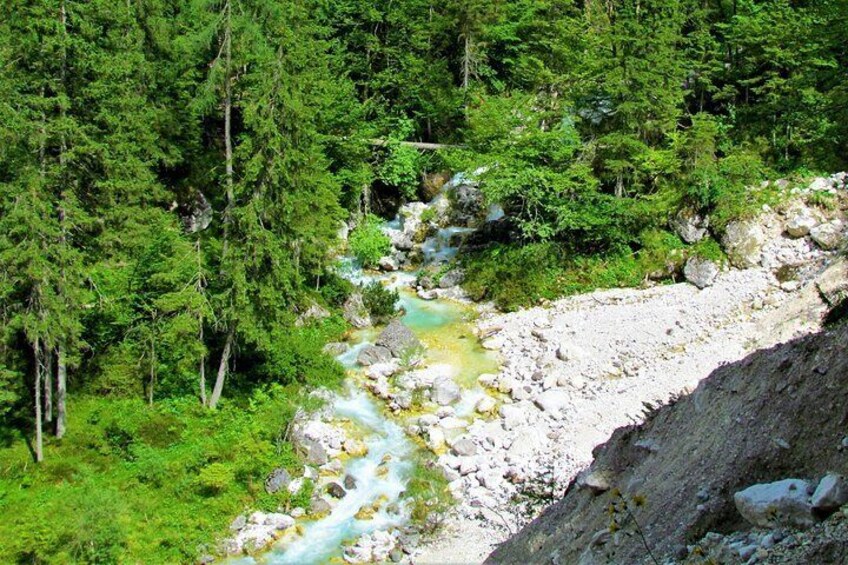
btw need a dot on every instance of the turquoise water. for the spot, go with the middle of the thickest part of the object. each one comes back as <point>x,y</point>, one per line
<point>444,327</point>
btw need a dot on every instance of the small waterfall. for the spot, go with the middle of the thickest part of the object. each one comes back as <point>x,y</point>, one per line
<point>444,246</point>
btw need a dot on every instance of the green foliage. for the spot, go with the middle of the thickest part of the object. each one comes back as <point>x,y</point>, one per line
<point>380,301</point>
<point>125,486</point>
<point>428,492</point>
<point>400,169</point>
<point>428,215</point>
<point>368,243</point>
<point>708,248</point>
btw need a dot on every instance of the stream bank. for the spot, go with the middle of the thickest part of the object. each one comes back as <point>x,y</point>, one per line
<point>512,405</point>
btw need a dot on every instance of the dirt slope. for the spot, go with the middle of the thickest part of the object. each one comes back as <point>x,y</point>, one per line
<point>780,412</point>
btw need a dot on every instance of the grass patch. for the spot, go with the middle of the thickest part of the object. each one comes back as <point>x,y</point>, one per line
<point>515,276</point>
<point>134,484</point>
<point>429,495</point>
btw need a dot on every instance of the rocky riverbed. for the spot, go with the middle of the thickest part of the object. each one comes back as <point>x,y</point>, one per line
<point>512,405</point>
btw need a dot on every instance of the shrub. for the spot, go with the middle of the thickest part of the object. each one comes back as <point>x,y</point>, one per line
<point>428,215</point>
<point>368,243</point>
<point>380,301</point>
<point>429,494</point>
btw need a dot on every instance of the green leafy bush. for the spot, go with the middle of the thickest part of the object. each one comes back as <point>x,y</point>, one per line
<point>380,301</point>
<point>368,243</point>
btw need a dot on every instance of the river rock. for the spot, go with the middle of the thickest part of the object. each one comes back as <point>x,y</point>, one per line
<point>552,401</point>
<point>336,490</point>
<point>279,521</point>
<point>467,204</point>
<point>349,482</point>
<point>315,312</point>
<point>785,502</point>
<point>830,494</point>
<point>452,278</point>
<point>830,235</point>
<point>278,480</point>
<point>801,222</point>
<point>743,242</point>
<point>319,505</point>
<point>335,348</point>
<point>445,391</point>
<point>388,263</point>
<point>398,339</point>
<point>317,455</point>
<point>295,486</point>
<point>689,225</point>
<point>464,448</point>
<point>239,523</point>
<point>355,312</point>
<point>567,351</point>
<point>485,405</point>
<point>355,448</point>
<point>700,272</point>
<point>374,354</point>
<point>436,438</point>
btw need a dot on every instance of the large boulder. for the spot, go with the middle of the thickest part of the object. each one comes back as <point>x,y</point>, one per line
<point>782,503</point>
<point>467,205</point>
<point>830,235</point>
<point>743,242</point>
<point>278,480</point>
<point>689,225</point>
<point>552,401</point>
<point>373,354</point>
<point>700,272</point>
<point>801,221</point>
<point>452,278</point>
<point>830,494</point>
<point>355,312</point>
<point>445,391</point>
<point>313,313</point>
<point>398,339</point>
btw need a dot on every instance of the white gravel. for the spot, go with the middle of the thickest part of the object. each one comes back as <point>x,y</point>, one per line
<point>593,361</point>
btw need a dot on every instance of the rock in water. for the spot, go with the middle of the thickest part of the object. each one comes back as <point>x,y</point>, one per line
<point>689,225</point>
<point>398,339</point>
<point>445,391</point>
<point>277,480</point>
<point>700,272</point>
<point>373,354</point>
<point>743,242</point>
<point>467,205</point>
<point>785,502</point>
<point>831,493</point>
<point>336,490</point>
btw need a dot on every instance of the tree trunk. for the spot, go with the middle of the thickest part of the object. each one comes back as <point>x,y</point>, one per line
<point>466,63</point>
<point>202,370</point>
<point>228,141</point>
<point>152,371</point>
<point>39,443</point>
<point>61,389</point>
<point>223,367</point>
<point>48,386</point>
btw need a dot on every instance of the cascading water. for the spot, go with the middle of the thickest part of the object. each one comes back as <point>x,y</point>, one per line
<point>381,475</point>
